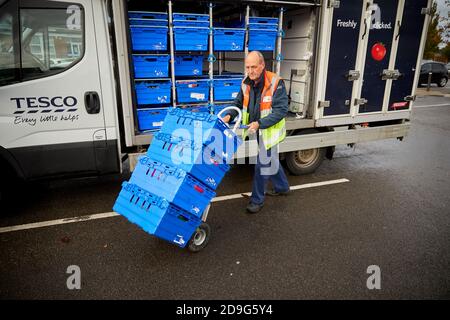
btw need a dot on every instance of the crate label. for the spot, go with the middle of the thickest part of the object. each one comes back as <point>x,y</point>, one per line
<point>234,94</point>
<point>198,96</point>
<point>158,124</point>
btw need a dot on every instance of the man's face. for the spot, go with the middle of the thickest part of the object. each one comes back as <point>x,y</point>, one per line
<point>254,66</point>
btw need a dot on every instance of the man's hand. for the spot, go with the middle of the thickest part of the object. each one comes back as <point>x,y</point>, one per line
<point>226,119</point>
<point>253,127</point>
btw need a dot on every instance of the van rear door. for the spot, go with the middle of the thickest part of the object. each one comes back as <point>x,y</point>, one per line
<point>52,115</point>
<point>410,37</point>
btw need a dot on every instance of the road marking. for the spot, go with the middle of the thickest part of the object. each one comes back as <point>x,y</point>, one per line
<point>433,105</point>
<point>114,214</point>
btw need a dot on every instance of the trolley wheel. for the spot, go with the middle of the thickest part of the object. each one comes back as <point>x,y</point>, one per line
<point>200,238</point>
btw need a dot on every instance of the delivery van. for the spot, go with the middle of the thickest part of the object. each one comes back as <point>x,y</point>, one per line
<point>70,103</point>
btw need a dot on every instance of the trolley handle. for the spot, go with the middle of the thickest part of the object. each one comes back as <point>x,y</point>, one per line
<point>238,122</point>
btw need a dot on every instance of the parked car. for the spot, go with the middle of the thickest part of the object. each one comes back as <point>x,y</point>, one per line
<point>439,73</point>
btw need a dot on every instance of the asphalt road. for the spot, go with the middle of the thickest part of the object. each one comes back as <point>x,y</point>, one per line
<point>318,243</point>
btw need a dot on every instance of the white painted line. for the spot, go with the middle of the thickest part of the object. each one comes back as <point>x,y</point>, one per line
<point>57,222</point>
<point>114,214</point>
<point>433,105</point>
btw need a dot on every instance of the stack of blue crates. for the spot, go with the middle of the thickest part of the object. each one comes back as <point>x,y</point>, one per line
<point>149,33</point>
<point>262,33</point>
<point>173,184</point>
<point>191,31</point>
<point>148,30</point>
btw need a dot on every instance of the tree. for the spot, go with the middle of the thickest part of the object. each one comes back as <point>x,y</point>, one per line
<point>434,36</point>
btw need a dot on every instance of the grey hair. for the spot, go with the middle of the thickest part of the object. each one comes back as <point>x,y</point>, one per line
<point>260,56</point>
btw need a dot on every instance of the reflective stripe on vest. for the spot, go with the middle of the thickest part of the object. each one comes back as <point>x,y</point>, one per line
<point>276,133</point>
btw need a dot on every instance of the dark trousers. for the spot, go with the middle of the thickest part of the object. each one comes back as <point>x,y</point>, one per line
<point>267,168</point>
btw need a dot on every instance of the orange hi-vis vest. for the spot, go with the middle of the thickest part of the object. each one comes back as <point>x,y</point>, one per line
<point>276,133</point>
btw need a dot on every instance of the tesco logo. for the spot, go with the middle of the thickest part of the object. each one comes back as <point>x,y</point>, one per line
<point>32,104</point>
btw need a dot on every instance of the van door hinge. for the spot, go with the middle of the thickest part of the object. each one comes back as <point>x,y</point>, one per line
<point>390,74</point>
<point>334,4</point>
<point>353,75</point>
<point>426,11</point>
<point>324,104</point>
<point>360,101</point>
<point>410,98</point>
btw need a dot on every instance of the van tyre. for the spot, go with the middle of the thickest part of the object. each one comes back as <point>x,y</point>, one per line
<point>200,238</point>
<point>442,82</point>
<point>304,161</point>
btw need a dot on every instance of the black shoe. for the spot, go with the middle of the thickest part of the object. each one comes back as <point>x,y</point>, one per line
<point>274,193</point>
<point>254,208</point>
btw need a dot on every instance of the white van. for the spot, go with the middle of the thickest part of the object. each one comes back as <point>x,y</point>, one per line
<point>68,105</point>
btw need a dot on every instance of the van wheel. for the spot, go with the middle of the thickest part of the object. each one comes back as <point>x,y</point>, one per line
<point>442,82</point>
<point>200,238</point>
<point>305,161</point>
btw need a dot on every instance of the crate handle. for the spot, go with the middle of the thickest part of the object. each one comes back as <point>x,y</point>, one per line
<point>229,33</point>
<point>150,59</point>
<point>238,122</point>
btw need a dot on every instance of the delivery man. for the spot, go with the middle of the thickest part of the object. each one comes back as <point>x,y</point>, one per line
<point>264,105</point>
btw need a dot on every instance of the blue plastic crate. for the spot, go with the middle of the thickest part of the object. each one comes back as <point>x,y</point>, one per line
<point>228,39</point>
<point>191,38</point>
<point>188,65</point>
<point>184,23</point>
<point>226,89</point>
<point>177,226</point>
<point>141,207</point>
<point>147,22</point>
<point>151,119</point>
<point>149,38</point>
<point>151,66</point>
<point>173,184</point>
<point>220,107</point>
<point>148,15</point>
<point>258,26</point>
<point>263,20</point>
<point>262,40</point>
<point>155,215</point>
<point>196,159</point>
<point>189,91</point>
<point>153,92</point>
<point>195,129</point>
<point>190,16</point>
<point>196,108</point>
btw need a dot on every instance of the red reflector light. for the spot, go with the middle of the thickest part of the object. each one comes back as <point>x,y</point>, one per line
<point>399,105</point>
